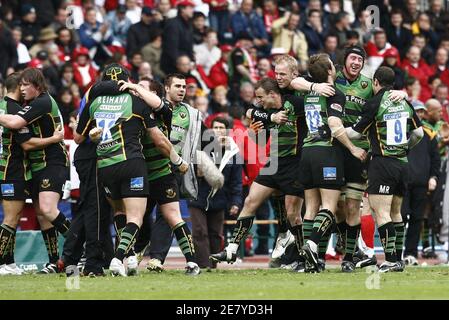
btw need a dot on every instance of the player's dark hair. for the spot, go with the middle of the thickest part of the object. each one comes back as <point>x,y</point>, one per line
<point>156,86</point>
<point>319,66</point>
<point>268,84</point>
<point>385,76</point>
<point>12,82</point>
<point>35,77</point>
<point>169,78</point>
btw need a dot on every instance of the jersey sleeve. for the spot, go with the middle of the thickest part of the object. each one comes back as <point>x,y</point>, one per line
<point>22,135</point>
<point>84,120</point>
<point>141,110</point>
<point>165,113</point>
<point>367,117</point>
<point>336,105</point>
<point>36,109</point>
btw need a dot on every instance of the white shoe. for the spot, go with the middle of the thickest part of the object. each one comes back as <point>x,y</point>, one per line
<point>11,269</point>
<point>117,268</point>
<point>282,242</point>
<point>192,269</point>
<point>133,263</point>
<point>155,265</point>
<point>2,270</point>
<point>411,261</point>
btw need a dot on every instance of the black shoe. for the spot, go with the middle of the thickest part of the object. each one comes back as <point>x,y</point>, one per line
<point>321,265</point>
<point>310,268</point>
<point>389,267</point>
<point>428,253</point>
<point>49,268</point>
<point>300,267</point>
<point>358,256</point>
<point>401,266</point>
<point>347,266</point>
<point>223,257</point>
<point>365,261</point>
<point>310,257</point>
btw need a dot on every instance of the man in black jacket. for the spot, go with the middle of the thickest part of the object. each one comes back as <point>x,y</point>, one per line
<point>177,39</point>
<point>139,34</point>
<point>424,166</point>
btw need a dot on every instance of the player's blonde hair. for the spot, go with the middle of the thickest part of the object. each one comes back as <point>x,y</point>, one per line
<point>291,62</point>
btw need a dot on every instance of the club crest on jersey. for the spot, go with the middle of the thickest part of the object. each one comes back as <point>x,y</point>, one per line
<point>183,115</point>
<point>364,84</point>
<point>170,193</point>
<point>45,184</point>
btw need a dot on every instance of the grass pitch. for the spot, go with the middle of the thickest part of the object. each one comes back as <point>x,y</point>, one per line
<point>414,283</point>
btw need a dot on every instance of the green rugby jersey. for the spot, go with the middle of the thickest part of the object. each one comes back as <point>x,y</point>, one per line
<point>157,164</point>
<point>357,93</point>
<point>179,126</point>
<point>318,109</point>
<point>290,135</point>
<point>14,164</point>
<point>44,117</point>
<point>123,119</point>
<point>389,125</point>
<point>442,149</point>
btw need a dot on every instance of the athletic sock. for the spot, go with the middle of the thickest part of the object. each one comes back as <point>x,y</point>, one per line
<point>299,237</point>
<point>307,226</point>
<point>322,225</point>
<point>388,238</point>
<point>425,234</point>
<point>351,236</point>
<point>127,238</point>
<point>119,225</point>
<point>61,223</point>
<point>185,242</point>
<point>399,228</point>
<point>367,230</point>
<point>242,228</point>
<point>278,204</point>
<point>51,243</point>
<point>322,246</point>
<point>341,235</point>
<point>7,241</point>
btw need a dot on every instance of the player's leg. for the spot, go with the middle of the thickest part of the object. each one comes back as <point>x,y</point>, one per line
<point>257,194</point>
<point>415,200</point>
<point>172,214</point>
<point>381,204</point>
<point>399,227</point>
<point>366,240</point>
<point>50,236</point>
<point>12,210</point>
<point>284,237</point>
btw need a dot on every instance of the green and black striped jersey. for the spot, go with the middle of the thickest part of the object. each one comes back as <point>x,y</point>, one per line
<point>44,117</point>
<point>388,124</point>
<point>290,135</point>
<point>14,164</point>
<point>157,164</point>
<point>318,109</point>
<point>123,119</point>
<point>357,93</point>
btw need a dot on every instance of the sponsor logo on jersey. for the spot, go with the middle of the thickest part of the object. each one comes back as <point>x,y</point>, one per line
<point>136,183</point>
<point>330,173</point>
<point>337,107</point>
<point>24,130</point>
<point>7,189</point>
<point>24,110</point>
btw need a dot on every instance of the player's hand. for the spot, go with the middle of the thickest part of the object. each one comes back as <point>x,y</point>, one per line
<point>359,153</point>
<point>432,185</point>
<point>58,135</point>
<point>183,167</point>
<point>397,95</point>
<point>279,117</point>
<point>324,89</point>
<point>126,85</point>
<point>234,210</point>
<point>95,134</point>
<point>256,126</point>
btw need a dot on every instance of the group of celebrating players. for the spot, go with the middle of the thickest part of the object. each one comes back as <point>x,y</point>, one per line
<point>339,135</point>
